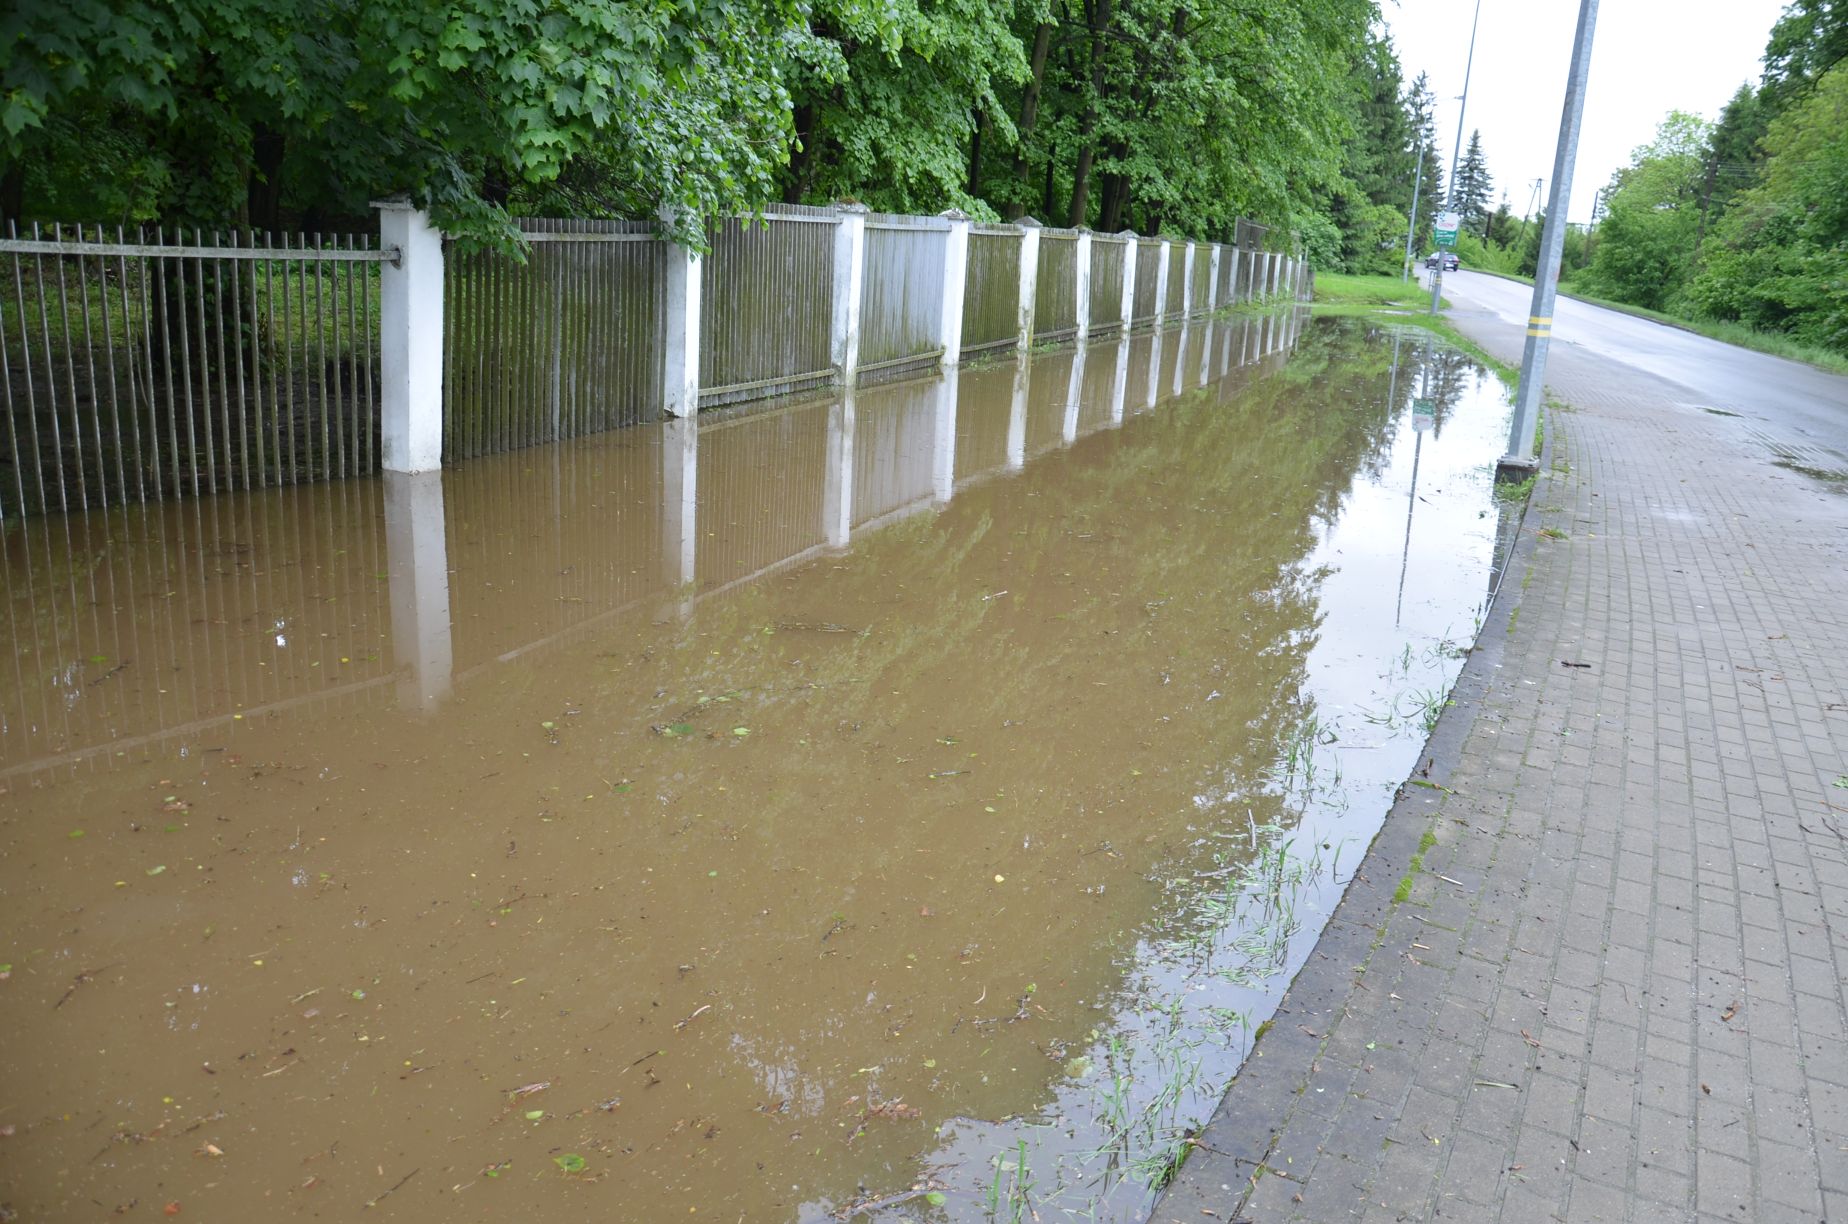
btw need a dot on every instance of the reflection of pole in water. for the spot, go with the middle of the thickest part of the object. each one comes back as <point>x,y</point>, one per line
<point>1392,389</point>
<point>416,543</point>
<point>1420,423</point>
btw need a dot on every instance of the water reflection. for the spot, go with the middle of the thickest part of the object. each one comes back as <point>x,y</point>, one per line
<point>134,626</point>
<point>767,832</point>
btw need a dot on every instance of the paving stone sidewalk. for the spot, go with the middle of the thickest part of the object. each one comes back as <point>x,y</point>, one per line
<point>1615,989</point>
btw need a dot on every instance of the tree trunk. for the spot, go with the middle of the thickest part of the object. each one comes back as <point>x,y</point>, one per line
<point>1052,161</point>
<point>801,157</point>
<point>1029,105</point>
<point>12,192</point>
<point>1099,18</point>
<point>975,153</point>
<point>263,185</point>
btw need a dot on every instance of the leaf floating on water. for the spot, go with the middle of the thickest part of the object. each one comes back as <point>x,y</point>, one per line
<point>533,1115</point>
<point>156,870</point>
<point>570,1162</point>
<point>674,730</point>
<point>76,833</point>
<point>936,1198</point>
<point>949,773</point>
<point>741,732</point>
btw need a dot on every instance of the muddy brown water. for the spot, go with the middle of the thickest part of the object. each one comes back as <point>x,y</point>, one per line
<point>904,808</point>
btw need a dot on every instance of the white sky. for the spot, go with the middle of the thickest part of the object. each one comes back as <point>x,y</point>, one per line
<point>1648,57</point>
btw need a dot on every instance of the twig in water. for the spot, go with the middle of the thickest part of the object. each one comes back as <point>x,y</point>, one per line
<point>381,1198</point>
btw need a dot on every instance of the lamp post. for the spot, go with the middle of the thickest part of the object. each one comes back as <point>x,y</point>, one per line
<point>1520,457</point>
<point>1450,195</point>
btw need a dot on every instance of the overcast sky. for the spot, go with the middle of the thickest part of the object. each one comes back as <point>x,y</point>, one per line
<point>1648,57</point>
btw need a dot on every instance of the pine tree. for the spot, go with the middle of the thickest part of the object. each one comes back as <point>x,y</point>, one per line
<point>1473,185</point>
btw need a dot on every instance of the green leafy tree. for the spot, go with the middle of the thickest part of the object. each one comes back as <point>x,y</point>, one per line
<point>1648,236</point>
<point>250,104</point>
<point>1779,258</point>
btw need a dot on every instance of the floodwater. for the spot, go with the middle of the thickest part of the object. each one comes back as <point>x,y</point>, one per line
<point>904,807</point>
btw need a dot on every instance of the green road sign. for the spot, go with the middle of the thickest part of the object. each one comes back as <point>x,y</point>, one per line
<point>1446,231</point>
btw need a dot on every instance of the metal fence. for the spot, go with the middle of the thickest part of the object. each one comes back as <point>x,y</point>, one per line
<point>901,297</point>
<point>555,346</point>
<point>146,366</point>
<point>1148,282</point>
<point>1055,297</point>
<point>1177,280</point>
<point>991,289</point>
<point>766,306</point>
<point>1107,284</point>
<point>187,364</point>
<point>1202,297</point>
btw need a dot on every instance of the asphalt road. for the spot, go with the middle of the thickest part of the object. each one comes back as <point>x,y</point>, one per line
<point>1798,411</point>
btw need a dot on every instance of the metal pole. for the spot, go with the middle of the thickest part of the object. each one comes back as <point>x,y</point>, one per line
<point>1450,191</point>
<point>1520,455</point>
<point>1411,228</point>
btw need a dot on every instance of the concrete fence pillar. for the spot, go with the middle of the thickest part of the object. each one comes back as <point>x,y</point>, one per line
<point>1161,282</point>
<point>1129,278</point>
<point>1083,279</point>
<point>1187,280</point>
<point>681,288</point>
<point>1212,279</point>
<point>1029,279</point>
<point>410,339</point>
<point>955,286</point>
<point>849,282</point>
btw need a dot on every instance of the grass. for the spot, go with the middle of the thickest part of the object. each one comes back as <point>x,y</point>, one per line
<point>1335,289</point>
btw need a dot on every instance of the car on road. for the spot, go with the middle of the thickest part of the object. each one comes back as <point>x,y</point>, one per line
<point>1449,259</point>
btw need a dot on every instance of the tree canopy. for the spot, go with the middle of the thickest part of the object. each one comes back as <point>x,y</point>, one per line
<point>1112,113</point>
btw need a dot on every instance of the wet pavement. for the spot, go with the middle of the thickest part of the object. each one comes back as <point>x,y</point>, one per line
<point>905,805</point>
<point>1598,975</point>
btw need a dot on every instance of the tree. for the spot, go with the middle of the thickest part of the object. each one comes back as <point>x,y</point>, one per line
<point>1648,237</point>
<point>329,103</point>
<point>1422,105</point>
<point>1779,258</point>
<point>1473,187</point>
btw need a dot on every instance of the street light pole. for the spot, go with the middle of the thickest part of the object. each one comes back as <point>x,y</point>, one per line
<point>1520,457</point>
<point>1450,192</point>
<point>1411,225</point>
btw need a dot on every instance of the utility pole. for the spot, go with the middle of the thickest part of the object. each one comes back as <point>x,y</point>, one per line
<point>1411,227</point>
<point>1520,458</point>
<point>1450,195</point>
<point>1532,199</point>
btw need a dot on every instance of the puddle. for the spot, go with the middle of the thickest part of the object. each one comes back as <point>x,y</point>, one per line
<point>899,807</point>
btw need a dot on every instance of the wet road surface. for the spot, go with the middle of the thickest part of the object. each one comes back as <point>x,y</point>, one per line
<point>1796,411</point>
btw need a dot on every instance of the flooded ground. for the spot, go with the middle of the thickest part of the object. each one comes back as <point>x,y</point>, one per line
<point>897,807</point>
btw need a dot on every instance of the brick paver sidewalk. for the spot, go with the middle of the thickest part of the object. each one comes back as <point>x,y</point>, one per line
<point>1615,990</point>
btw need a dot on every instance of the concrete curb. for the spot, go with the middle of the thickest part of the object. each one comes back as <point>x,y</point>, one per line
<point>1264,1096</point>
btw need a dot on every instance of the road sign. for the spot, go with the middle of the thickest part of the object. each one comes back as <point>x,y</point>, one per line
<point>1424,414</point>
<point>1446,231</point>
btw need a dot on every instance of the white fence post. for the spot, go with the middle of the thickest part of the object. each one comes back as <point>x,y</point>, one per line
<point>681,289</point>
<point>1029,278</point>
<point>1161,285</point>
<point>955,284</point>
<point>1083,256</point>
<point>1212,279</point>
<point>849,282</point>
<point>1130,247</point>
<point>1187,267</point>
<point>410,339</point>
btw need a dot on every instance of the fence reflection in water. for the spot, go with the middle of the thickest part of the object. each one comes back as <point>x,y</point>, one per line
<point>134,629</point>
